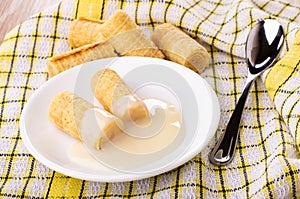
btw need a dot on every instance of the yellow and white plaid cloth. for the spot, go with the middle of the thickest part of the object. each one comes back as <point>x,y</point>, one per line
<point>266,164</point>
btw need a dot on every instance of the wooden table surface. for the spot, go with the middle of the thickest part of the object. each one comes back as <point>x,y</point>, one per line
<point>14,12</point>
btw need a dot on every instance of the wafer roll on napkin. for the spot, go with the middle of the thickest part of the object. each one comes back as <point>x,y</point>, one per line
<point>89,30</point>
<point>129,43</point>
<point>85,31</point>
<point>135,43</point>
<point>180,48</point>
<point>89,52</point>
<point>67,110</point>
<point>116,97</point>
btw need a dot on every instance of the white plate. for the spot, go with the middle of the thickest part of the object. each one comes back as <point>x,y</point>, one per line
<point>149,77</point>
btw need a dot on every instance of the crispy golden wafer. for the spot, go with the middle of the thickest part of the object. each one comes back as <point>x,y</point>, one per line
<point>67,110</point>
<point>129,43</point>
<point>135,43</point>
<point>57,105</point>
<point>89,52</point>
<point>116,97</point>
<point>72,115</point>
<point>117,23</point>
<point>88,30</point>
<point>85,31</point>
<point>180,48</point>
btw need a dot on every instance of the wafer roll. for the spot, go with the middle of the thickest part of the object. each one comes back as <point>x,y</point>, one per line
<point>88,30</point>
<point>67,111</point>
<point>180,48</point>
<point>117,23</point>
<point>129,43</point>
<point>89,52</point>
<point>57,106</point>
<point>85,31</point>
<point>116,97</point>
<point>135,43</point>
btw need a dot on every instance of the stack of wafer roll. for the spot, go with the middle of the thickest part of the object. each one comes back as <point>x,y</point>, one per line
<point>116,97</point>
<point>129,43</point>
<point>67,110</point>
<point>180,48</point>
<point>118,36</point>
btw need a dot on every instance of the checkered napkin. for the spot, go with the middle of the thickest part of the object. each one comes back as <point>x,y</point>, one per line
<point>266,163</point>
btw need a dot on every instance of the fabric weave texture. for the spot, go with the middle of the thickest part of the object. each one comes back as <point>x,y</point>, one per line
<point>266,163</point>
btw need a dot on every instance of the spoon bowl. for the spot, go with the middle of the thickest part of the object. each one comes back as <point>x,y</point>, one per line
<point>263,46</point>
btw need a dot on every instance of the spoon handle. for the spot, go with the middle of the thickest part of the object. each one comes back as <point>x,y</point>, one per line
<point>222,153</point>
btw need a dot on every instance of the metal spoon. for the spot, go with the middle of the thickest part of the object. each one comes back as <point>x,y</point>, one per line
<point>263,45</point>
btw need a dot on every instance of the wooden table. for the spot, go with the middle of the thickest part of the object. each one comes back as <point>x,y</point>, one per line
<point>13,12</point>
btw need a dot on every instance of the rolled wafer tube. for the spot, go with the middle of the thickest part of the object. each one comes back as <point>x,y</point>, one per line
<point>116,97</point>
<point>85,31</point>
<point>129,43</point>
<point>88,30</point>
<point>180,48</point>
<point>135,43</point>
<point>89,52</point>
<point>67,110</point>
